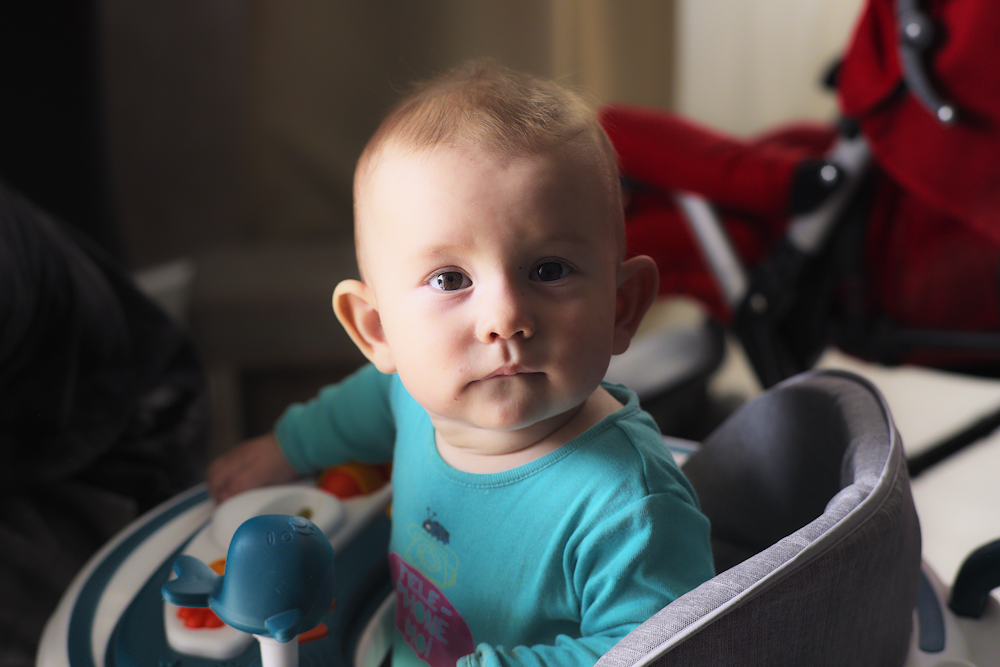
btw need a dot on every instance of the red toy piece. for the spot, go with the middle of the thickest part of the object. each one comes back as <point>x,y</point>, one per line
<point>199,617</point>
<point>354,479</point>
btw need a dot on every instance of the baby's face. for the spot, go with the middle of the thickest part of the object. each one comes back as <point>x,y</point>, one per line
<point>495,281</point>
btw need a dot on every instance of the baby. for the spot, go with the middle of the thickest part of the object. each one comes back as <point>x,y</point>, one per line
<point>537,516</point>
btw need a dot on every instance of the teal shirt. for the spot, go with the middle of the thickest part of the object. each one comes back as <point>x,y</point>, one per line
<point>550,563</point>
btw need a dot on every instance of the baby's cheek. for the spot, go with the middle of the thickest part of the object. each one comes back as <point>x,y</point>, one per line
<point>587,339</point>
<point>589,321</point>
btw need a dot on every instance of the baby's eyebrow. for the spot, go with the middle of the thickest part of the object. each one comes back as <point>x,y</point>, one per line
<point>565,242</point>
<point>436,252</point>
<point>570,238</point>
<point>446,252</point>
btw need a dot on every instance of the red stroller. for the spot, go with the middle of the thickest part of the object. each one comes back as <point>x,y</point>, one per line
<point>878,236</point>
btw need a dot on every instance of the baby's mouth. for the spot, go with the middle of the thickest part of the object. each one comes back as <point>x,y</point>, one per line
<point>509,370</point>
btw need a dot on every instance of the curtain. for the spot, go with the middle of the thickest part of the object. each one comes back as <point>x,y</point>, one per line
<point>746,65</point>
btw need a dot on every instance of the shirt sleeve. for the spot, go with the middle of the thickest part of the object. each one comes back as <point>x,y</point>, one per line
<point>350,420</point>
<point>630,566</point>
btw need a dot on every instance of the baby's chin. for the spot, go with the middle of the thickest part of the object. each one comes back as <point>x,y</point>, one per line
<point>524,422</point>
<point>528,402</point>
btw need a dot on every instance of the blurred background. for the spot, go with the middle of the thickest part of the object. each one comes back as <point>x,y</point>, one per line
<point>209,145</point>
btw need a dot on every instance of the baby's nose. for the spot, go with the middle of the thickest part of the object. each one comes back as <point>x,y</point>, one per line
<point>506,314</point>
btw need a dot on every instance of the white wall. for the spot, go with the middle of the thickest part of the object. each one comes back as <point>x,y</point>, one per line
<point>746,65</point>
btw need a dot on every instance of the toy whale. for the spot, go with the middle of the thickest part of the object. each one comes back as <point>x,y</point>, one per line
<point>278,580</point>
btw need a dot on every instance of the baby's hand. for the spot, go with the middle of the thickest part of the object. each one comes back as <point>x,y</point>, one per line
<point>256,462</point>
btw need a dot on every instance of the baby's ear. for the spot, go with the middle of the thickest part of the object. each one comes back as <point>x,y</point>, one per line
<point>355,306</point>
<point>638,281</point>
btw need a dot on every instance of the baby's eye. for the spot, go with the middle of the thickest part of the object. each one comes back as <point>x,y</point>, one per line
<point>550,270</point>
<point>449,281</point>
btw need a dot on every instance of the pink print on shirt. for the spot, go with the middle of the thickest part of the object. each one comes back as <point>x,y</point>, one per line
<point>428,622</point>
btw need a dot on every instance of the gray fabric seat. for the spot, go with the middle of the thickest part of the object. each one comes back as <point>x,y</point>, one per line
<point>816,538</point>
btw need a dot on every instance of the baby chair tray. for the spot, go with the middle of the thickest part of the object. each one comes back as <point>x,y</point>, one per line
<point>113,615</point>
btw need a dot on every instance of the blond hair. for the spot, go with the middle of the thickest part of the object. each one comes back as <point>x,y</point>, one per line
<point>482,105</point>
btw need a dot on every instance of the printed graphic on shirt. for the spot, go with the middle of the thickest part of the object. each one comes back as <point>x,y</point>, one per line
<point>435,529</point>
<point>428,550</point>
<point>426,619</point>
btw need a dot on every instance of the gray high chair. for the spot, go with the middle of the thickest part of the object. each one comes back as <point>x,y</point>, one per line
<point>815,536</point>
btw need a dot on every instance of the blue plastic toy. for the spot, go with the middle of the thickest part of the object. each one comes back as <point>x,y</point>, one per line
<point>278,580</point>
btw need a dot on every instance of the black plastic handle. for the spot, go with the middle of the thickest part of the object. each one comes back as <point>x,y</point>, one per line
<point>979,574</point>
<point>916,35</point>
